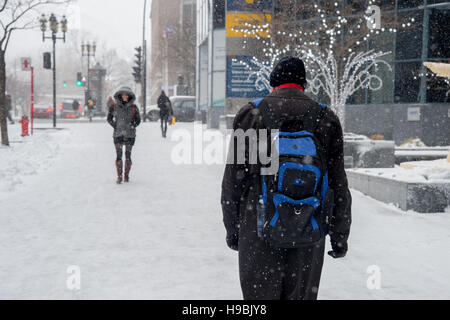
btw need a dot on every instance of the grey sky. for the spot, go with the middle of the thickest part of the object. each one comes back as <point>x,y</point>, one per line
<point>116,22</point>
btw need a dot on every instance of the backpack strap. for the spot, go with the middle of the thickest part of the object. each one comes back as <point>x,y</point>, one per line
<point>257,102</point>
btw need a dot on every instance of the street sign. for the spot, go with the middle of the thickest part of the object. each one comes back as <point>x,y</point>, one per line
<point>26,64</point>
<point>414,114</point>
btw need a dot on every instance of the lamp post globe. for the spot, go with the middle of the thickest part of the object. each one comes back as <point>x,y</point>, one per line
<point>53,23</point>
<point>43,22</point>
<point>64,24</point>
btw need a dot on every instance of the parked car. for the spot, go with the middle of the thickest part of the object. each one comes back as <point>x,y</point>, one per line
<point>183,108</point>
<point>67,111</point>
<point>42,111</point>
<point>152,113</point>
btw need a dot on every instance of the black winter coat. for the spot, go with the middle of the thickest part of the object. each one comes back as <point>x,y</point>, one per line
<point>165,106</point>
<point>124,117</point>
<point>239,184</point>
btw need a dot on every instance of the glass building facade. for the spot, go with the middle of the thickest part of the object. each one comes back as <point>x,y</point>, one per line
<point>426,39</point>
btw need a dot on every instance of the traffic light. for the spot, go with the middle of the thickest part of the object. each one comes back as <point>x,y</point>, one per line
<point>65,83</point>
<point>79,79</point>
<point>47,60</point>
<point>137,70</point>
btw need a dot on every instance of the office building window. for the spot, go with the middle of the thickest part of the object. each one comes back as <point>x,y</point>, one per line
<point>439,41</point>
<point>404,4</point>
<point>407,82</point>
<point>409,37</point>
<point>219,14</point>
<point>438,89</point>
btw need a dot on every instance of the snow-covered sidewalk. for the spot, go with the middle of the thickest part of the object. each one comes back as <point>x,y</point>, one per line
<point>161,236</point>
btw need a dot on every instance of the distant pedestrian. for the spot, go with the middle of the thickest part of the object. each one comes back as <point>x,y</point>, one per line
<point>165,112</point>
<point>123,116</point>
<point>9,108</point>
<point>110,102</point>
<point>91,107</point>
<point>278,220</point>
<point>9,116</point>
<point>75,106</point>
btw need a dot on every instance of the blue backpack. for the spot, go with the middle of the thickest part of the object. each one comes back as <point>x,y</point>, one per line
<point>295,203</point>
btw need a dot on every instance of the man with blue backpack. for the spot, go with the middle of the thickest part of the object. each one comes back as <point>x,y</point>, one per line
<point>278,219</point>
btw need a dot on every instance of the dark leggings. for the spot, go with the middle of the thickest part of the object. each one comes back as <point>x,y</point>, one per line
<point>164,121</point>
<point>119,151</point>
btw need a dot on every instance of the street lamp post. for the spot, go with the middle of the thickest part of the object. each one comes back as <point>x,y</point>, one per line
<point>88,50</point>
<point>54,26</point>
<point>144,64</point>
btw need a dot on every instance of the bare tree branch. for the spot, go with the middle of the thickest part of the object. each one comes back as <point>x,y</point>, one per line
<point>20,10</point>
<point>3,5</point>
<point>13,16</point>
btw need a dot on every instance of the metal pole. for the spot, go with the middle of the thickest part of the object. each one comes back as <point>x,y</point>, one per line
<point>424,56</point>
<point>166,65</point>
<point>88,77</point>
<point>54,80</point>
<point>144,83</point>
<point>32,100</point>
<point>144,74</point>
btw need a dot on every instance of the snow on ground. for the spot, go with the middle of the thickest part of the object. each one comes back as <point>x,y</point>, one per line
<point>161,236</point>
<point>27,156</point>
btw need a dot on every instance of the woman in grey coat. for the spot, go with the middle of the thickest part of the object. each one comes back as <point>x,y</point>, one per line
<point>124,117</point>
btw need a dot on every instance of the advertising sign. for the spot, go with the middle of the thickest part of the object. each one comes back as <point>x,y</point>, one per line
<point>239,82</point>
<point>236,24</point>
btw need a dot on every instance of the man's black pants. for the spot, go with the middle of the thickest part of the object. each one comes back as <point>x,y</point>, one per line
<point>269,273</point>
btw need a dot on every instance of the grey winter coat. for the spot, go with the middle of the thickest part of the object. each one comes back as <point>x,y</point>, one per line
<point>124,117</point>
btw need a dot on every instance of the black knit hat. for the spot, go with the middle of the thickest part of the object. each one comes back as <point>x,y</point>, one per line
<point>288,70</point>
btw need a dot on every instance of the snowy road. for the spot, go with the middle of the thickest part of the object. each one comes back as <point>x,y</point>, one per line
<point>161,236</point>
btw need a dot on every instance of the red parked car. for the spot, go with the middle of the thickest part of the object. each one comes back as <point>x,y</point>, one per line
<point>43,111</point>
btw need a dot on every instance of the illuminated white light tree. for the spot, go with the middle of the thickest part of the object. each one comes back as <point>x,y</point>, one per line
<point>334,69</point>
<point>359,72</point>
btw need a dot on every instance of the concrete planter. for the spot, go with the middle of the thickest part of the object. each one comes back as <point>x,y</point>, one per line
<point>420,197</point>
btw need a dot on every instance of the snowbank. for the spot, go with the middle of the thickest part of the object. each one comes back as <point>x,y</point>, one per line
<point>431,170</point>
<point>413,143</point>
<point>420,171</point>
<point>27,156</point>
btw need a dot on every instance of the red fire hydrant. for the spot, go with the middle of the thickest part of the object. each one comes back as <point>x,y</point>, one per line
<point>24,123</point>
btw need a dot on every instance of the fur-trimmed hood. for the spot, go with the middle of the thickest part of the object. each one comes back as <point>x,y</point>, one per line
<point>126,90</point>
